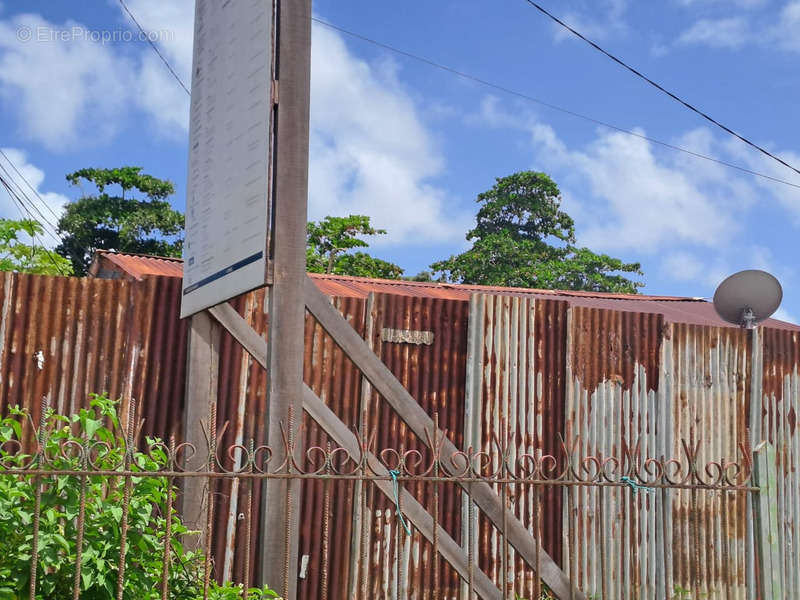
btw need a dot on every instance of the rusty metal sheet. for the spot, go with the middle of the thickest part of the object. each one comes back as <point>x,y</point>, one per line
<point>637,383</point>
<point>242,404</point>
<point>435,376</point>
<point>65,338</point>
<point>775,424</point>
<point>538,365</point>
<point>514,406</point>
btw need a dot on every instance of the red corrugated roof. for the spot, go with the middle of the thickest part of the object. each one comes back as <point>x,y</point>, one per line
<point>676,309</point>
<point>139,265</point>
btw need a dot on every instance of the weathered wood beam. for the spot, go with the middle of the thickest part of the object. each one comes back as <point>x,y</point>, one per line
<point>280,530</point>
<point>202,376</point>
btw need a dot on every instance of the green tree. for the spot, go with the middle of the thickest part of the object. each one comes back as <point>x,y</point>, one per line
<point>16,255</point>
<point>330,242</point>
<point>146,225</point>
<point>523,239</point>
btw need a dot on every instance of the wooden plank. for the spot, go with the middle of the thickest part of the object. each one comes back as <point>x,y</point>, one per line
<point>202,375</point>
<point>412,510</point>
<point>241,331</point>
<point>281,498</point>
<point>766,523</point>
<point>336,429</point>
<point>361,533</point>
<point>421,424</point>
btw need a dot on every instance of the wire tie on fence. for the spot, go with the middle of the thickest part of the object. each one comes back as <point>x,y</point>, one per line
<point>394,473</point>
<point>635,486</point>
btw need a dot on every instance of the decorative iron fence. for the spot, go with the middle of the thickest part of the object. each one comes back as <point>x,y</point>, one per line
<point>89,508</point>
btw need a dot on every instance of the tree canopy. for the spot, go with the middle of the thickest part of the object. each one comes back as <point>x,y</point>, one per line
<point>522,238</point>
<point>145,225</point>
<point>17,255</point>
<point>330,243</point>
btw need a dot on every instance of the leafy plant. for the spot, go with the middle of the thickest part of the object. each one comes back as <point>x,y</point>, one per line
<point>682,593</point>
<point>17,255</point>
<point>94,434</point>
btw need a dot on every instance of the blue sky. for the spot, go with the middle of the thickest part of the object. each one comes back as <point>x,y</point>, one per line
<point>412,146</point>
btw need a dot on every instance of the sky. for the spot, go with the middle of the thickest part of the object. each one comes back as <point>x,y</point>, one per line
<point>412,146</point>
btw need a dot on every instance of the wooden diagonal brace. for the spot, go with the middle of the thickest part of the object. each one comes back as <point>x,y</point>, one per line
<point>386,384</point>
<point>450,550</point>
<point>404,404</point>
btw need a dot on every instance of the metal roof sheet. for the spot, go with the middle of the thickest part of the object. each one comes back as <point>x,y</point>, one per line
<point>676,309</point>
<point>139,265</point>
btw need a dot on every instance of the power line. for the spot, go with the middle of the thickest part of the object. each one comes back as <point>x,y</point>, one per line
<point>22,197</point>
<point>154,47</point>
<point>505,90</point>
<point>20,207</point>
<point>22,200</point>
<point>555,107</point>
<point>33,189</point>
<point>661,88</point>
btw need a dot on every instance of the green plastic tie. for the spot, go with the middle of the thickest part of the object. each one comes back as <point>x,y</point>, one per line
<point>395,488</point>
<point>635,486</point>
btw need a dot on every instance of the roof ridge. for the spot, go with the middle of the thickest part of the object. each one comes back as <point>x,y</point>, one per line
<point>139,255</point>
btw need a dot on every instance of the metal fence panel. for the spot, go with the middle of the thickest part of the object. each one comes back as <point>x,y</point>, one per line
<point>775,426</point>
<point>641,387</point>
<point>429,360</point>
<point>514,403</point>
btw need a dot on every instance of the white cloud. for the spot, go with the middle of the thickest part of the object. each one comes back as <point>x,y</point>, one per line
<point>370,151</point>
<point>732,32</point>
<point>41,205</point>
<point>69,88</point>
<point>623,194</point>
<point>739,31</point>
<point>65,92</point>
<point>682,266</point>
<point>786,195</point>
<point>786,32</point>
<point>638,199</point>
<point>606,21</point>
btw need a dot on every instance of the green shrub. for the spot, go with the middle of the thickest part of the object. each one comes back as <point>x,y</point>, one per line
<point>97,431</point>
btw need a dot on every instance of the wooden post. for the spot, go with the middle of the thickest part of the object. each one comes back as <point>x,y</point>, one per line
<point>202,375</point>
<point>280,509</point>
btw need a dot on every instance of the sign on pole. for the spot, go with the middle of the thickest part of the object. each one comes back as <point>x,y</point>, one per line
<point>228,196</point>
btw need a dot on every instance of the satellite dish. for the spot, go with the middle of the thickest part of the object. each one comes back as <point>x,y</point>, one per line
<point>748,297</point>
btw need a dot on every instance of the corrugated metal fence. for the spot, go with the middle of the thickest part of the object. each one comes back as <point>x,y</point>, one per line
<point>637,386</point>
<point>500,372</point>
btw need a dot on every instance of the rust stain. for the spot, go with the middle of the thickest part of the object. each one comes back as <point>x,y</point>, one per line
<point>609,345</point>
